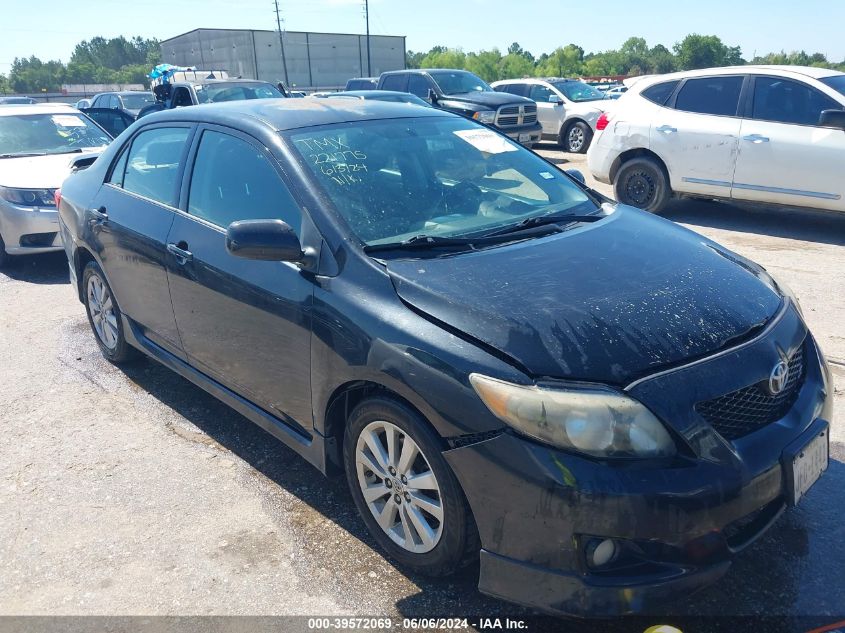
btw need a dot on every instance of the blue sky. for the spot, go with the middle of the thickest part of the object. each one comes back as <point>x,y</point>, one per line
<point>50,28</point>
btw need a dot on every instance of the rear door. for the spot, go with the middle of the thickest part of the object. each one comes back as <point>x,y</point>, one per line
<point>697,134</point>
<point>112,121</point>
<point>397,82</point>
<point>245,323</point>
<point>550,113</point>
<point>130,219</point>
<point>785,156</point>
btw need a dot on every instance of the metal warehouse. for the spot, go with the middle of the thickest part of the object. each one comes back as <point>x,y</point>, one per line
<point>303,60</point>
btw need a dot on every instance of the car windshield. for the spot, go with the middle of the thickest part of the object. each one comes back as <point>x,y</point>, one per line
<point>48,133</point>
<point>395,179</point>
<point>578,91</point>
<point>837,82</point>
<point>233,91</point>
<point>454,82</point>
<point>137,101</point>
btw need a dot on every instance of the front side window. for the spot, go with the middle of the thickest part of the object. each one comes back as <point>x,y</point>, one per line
<point>49,133</point>
<point>233,180</point>
<point>784,101</point>
<point>418,85</point>
<point>152,166</point>
<point>540,94</point>
<point>710,95</point>
<point>395,179</point>
<point>454,82</point>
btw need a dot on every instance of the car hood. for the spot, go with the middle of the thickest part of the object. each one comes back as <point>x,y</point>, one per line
<point>489,99</point>
<point>39,172</point>
<point>607,302</point>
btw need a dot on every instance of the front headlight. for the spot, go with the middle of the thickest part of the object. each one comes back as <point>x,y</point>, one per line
<point>485,116</point>
<point>596,421</point>
<point>29,197</point>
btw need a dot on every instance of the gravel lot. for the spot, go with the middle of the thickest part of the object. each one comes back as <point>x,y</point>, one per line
<point>132,492</point>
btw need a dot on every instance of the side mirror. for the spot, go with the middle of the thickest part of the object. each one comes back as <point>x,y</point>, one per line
<point>432,96</point>
<point>269,240</point>
<point>833,118</point>
<point>577,175</point>
<point>555,99</point>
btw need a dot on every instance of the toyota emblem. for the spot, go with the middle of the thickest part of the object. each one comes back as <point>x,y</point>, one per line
<point>778,378</point>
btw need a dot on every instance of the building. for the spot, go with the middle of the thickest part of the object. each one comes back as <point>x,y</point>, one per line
<point>311,61</point>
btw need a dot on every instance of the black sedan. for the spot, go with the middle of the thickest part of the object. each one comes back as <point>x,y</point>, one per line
<point>604,407</point>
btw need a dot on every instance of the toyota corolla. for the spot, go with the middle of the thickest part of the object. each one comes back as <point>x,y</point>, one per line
<point>603,407</point>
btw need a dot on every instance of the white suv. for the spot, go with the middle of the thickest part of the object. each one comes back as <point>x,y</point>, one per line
<point>773,134</point>
<point>567,108</point>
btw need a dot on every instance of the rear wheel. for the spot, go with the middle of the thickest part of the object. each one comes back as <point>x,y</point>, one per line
<point>576,138</point>
<point>104,316</point>
<point>406,493</point>
<point>642,182</point>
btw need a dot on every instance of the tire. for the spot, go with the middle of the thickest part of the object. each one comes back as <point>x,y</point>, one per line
<point>447,544</point>
<point>643,182</point>
<point>104,316</point>
<point>4,257</point>
<point>576,138</point>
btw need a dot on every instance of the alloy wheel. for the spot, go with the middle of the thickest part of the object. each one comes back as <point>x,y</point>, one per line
<point>399,487</point>
<point>576,139</point>
<point>103,317</point>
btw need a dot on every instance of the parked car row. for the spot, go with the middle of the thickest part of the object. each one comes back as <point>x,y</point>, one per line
<point>751,133</point>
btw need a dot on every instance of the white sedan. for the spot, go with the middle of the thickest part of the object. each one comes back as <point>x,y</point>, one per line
<point>773,134</point>
<point>38,144</point>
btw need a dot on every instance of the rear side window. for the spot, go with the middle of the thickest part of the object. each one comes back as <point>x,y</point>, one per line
<point>660,93</point>
<point>785,101</point>
<point>710,95</point>
<point>395,82</point>
<point>418,85</point>
<point>514,89</point>
<point>234,180</point>
<point>152,166</point>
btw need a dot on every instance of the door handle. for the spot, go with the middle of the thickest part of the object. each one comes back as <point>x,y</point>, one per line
<point>99,214</point>
<point>182,256</point>
<point>756,138</point>
<point>667,129</point>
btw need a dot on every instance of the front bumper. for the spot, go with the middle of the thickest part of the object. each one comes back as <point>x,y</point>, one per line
<point>527,135</point>
<point>536,506</point>
<point>29,231</point>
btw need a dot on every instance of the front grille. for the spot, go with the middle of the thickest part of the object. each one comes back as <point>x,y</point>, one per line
<point>746,410</point>
<point>509,116</point>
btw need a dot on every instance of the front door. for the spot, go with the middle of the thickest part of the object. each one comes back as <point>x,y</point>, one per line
<point>549,113</point>
<point>785,157</point>
<point>245,323</point>
<point>130,219</point>
<point>697,135</point>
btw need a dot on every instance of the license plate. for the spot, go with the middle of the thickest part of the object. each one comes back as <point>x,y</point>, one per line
<point>524,138</point>
<point>806,465</point>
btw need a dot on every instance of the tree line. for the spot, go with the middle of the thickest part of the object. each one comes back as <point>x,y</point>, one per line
<point>634,57</point>
<point>122,61</point>
<point>96,61</point>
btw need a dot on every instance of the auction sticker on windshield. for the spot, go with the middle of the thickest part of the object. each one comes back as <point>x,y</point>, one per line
<point>486,141</point>
<point>67,120</point>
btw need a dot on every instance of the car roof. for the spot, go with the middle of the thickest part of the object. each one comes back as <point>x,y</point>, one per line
<point>291,114</point>
<point>751,69</point>
<point>534,80</point>
<point>38,108</point>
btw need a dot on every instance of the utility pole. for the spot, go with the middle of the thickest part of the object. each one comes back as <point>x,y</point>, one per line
<point>281,42</point>
<point>367,20</point>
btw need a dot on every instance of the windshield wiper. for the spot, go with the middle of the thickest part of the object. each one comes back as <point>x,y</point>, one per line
<point>424,241</point>
<point>22,154</point>
<point>66,151</point>
<point>542,220</point>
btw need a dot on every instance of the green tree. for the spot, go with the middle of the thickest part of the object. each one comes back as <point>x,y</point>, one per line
<point>516,49</point>
<point>445,58</point>
<point>485,64</point>
<point>515,66</point>
<point>567,61</point>
<point>662,60</point>
<point>705,51</point>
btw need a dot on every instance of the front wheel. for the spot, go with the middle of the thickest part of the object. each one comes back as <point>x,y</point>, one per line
<point>576,138</point>
<point>643,183</point>
<point>405,491</point>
